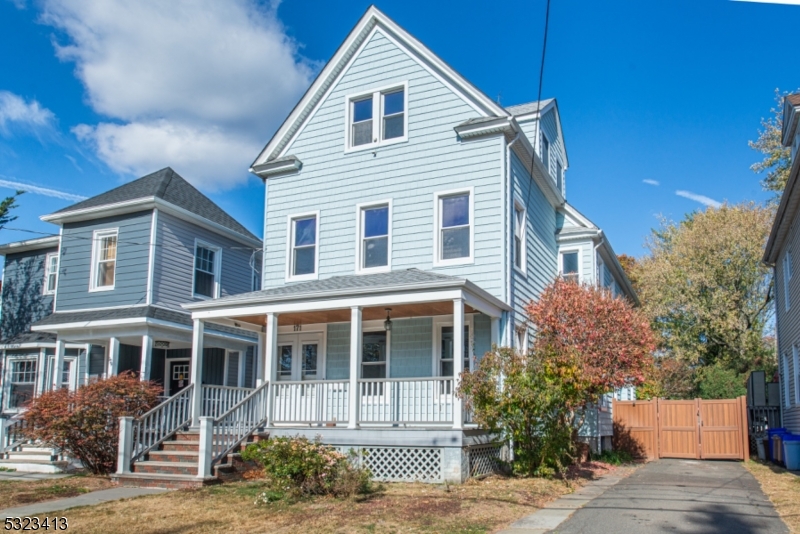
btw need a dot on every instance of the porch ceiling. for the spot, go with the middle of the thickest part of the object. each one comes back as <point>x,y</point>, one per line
<point>399,311</point>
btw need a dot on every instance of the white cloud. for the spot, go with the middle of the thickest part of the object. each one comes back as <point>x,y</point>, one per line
<point>14,110</point>
<point>702,199</point>
<point>787,2</point>
<point>201,83</point>
<point>37,190</point>
<point>651,182</point>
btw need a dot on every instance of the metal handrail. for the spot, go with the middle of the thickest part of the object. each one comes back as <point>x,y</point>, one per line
<point>230,429</point>
<point>158,424</point>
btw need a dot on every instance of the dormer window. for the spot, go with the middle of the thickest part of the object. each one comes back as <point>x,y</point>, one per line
<point>377,118</point>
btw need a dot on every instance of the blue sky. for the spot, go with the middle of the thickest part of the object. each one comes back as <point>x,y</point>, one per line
<point>656,92</point>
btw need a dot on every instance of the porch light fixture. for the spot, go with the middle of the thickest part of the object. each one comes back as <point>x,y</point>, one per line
<point>387,324</point>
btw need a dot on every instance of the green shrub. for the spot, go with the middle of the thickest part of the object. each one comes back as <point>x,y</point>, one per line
<point>297,466</point>
<point>614,457</point>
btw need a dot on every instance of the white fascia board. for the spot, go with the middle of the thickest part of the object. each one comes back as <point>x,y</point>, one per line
<point>496,126</point>
<point>287,165</point>
<point>584,235</point>
<point>107,210</point>
<point>88,324</point>
<point>336,66</point>
<point>29,244</point>
<point>577,216</point>
<point>40,344</point>
<point>611,259</point>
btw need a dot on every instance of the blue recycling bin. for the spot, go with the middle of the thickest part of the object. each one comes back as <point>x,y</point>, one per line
<point>774,454</point>
<point>791,451</point>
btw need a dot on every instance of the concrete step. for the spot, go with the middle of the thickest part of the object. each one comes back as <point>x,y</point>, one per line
<point>173,456</point>
<point>35,466</point>
<point>155,480</point>
<point>37,448</point>
<point>35,456</point>
<point>166,468</point>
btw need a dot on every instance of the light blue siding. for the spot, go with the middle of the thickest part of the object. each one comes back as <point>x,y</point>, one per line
<point>550,128</point>
<point>23,283</point>
<point>409,173</point>
<point>412,346</point>
<point>174,262</point>
<point>133,255</point>
<point>337,357</point>
<point>542,260</point>
<point>483,335</point>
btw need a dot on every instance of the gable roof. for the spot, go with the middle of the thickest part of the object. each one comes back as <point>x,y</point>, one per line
<point>530,107</point>
<point>166,185</point>
<point>336,66</point>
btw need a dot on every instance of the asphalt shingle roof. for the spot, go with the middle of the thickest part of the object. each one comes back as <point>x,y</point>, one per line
<point>528,107</point>
<point>794,99</point>
<point>169,186</point>
<point>30,337</point>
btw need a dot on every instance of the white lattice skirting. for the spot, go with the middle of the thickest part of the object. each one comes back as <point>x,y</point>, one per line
<point>485,459</point>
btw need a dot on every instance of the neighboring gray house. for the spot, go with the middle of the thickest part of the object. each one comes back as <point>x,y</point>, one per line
<point>105,297</point>
<point>782,247</point>
<point>408,219</point>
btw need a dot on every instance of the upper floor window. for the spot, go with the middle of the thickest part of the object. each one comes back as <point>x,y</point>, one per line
<point>373,251</point>
<point>454,227</point>
<point>787,275</point>
<point>569,266</point>
<point>377,117</point>
<point>104,259</point>
<point>206,270</point>
<point>50,272</point>
<point>545,152</point>
<point>303,254</point>
<point>519,236</point>
<point>559,176</point>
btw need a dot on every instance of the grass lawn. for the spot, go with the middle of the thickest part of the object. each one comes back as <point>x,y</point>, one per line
<point>21,492</point>
<point>782,488</point>
<point>477,506</point>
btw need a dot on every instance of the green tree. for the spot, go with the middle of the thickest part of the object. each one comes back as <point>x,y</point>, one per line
<point>6,205</point>
<point>719,382</point>
<point>705,289</point>
<point>777,158</point>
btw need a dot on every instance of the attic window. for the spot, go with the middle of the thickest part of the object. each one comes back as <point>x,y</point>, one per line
<point>377,118</point>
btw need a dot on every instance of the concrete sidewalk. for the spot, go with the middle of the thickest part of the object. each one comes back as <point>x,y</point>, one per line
<point>680,496</point>
<point>88,499</point>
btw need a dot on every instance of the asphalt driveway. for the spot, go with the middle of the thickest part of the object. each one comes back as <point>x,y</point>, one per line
<point>680,496</point>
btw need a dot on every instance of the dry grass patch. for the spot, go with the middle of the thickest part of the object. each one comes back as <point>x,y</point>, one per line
<point>477,506</point>
<point>22,492</point>
<point>782,488</point>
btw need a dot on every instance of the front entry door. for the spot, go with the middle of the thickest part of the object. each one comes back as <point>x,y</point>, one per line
<point>178,376</point>
<point>300,357</point>
<point>67,373</point>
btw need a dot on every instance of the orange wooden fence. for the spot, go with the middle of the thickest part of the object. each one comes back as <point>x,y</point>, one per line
<point>699,429</point>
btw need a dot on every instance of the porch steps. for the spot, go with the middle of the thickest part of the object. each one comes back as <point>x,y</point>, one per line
<point>175,463</point>
<point>32,458</point>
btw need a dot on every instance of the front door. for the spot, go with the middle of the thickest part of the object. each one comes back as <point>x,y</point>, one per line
<point>67,373</point>
<point>178,373</point>
<point>300,357</point>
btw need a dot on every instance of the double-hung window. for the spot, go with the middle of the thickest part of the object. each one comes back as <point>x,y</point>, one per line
<point>303,254</point>
<point>448,349</point>
<point>376,118</point>
<point>519,236</point>
<point>23,380</point>
<point>50,272</point>
<point>545,152</point>
<point>453,237</point>
<point>374,237</point>
<point>570,266</point>
<point>787,276</point>
<point>206,271</point>
<point>373,358</point>
<point>104,259</point>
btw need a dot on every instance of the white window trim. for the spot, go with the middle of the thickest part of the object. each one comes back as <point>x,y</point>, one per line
<point>73,371</point>
<point>561,253</point>
<point>168,377</point>
<point>447,320</point>
<point>377,117</point>
<point>11,359</point>
<point>523,267</point>
<point>48,256</point>
<point>377,326</point>
<point>96,236</point>
<point>546,164</point>
<point>217,268</point>
<point>785,378</point>
<point>795,374</point>
<point>787,277</point>
<point>290,246</point>
<point>360,237</point>
<point>437,196</point>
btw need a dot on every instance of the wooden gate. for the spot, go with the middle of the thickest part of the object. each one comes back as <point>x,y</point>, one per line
<point>702,429</point>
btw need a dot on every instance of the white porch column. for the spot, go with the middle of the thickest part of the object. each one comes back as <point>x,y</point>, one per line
<point>271,361</point>
<point>125,445</point>
<point>113,357</point>
<point>58,365</point>
<point>197,370</point>
<point>458,361</point>
<point>496,331</point>
<point>41,371</point>
<point>355,365</point>
<point>147,357</point>
<point>260,361</point>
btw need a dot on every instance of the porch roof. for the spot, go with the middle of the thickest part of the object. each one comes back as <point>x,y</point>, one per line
<point>406,282</point>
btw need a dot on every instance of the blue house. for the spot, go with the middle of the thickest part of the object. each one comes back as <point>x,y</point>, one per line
<point>408,219</point>
<point>105,296</point>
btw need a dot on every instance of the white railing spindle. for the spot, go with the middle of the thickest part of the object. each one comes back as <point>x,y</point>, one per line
<point>155,426</point>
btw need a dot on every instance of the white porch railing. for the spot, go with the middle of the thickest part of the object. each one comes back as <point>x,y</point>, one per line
<point>406,400</point>
<point>318,401</point>
<point>219,399</point>
<point>12,434</point>
<point>234,426</point>
<point>155,426</point>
